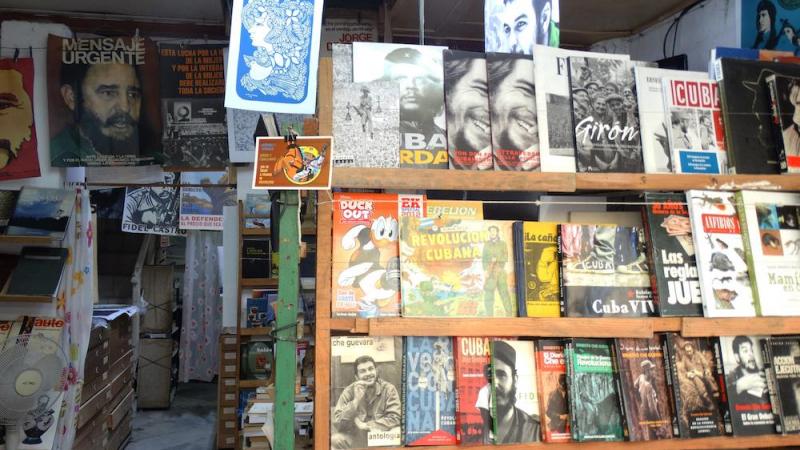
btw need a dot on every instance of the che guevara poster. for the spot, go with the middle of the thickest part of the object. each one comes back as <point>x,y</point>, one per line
<point>103,97</point>
<point>18,155</point>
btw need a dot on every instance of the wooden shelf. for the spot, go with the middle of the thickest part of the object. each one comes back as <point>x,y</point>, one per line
<point>700,326</point>
<point>28,240</point>
<point>350,177</point>
<point>256,232</point>
<point>667,444</point>
<point>682,182</point>
<point>252,384</point>
<point>256,331</point>
<point>258,282</point>
<point>26,298</point>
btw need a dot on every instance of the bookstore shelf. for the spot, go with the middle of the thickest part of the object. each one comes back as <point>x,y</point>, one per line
<point>259,282</point>
<point>255,331</point>
<point>252,384</point>
<point>42,241</point>
<point>26,298</point>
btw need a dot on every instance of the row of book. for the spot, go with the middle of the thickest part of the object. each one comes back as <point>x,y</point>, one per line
<point>477,390</point>
<point>712,253</point>
<point>562,110</point>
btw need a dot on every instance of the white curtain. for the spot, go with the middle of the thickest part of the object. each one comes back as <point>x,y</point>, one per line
<point>202,307</point>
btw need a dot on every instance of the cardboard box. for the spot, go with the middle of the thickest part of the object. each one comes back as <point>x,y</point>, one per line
<point>155,373</point>
<point>93,436</point>
<point>98,336</point>
<point>117,437</point>
<point>119,366</point>
<point>121,410</point>
<point>97,362</point>
<point>119,338</point>
<point>123,380</point>
<point>93,387</point>
<point>93,406</point>
<point>158,292</point>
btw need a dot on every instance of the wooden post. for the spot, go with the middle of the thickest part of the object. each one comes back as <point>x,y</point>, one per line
<point>285,320</point>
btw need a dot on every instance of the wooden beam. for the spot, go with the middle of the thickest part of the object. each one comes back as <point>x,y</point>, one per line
<point>703,326</point>
<point>682,182</point>
<point>322,348</point>
<point>605,327</point>
<point>412,179</point>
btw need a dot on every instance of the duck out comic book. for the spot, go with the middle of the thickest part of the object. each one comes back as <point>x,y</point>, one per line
<point>457,268</point>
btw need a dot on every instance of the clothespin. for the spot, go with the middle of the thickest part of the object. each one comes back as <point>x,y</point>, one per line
<point>359,17</point>
<point>30,51</point>
<point>291,138</point>
<point>16,54</point>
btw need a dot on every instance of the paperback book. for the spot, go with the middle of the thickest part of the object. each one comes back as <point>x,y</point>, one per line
<point>785,371</point>
<point>656,154</point>
<point>721,263</point>
<point>429,396</point>
<point>771,236</point>
<point>42,212</point>
<point>514,402</point>
<point>607,137</point>
<point>604,271</point>
<point>785,120</point>
<point>366,371</point>
<point>39,272</point>
<point>698,387</point>
<point>463,268</point>
<point>695,126</point>
<point>552,390</point>
<point>644,388</point>
<point>673,275</point>
<point>261,308</point>
<point>746,382</point>
<point>536,259</point>
<point>256,258</point>
<point>594,397</point>
<point>512,100</point>
<point>469,144</point>
<point>473,367</point>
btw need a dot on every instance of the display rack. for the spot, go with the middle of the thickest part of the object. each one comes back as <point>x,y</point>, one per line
<point>418,179</point>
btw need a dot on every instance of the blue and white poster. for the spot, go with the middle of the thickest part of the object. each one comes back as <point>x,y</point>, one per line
<point>273,56</point>
<point>771,25</point>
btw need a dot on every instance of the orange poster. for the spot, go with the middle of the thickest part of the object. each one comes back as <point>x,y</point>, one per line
<point>305,164</point>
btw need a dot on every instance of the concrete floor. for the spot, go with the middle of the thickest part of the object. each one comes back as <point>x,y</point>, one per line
<point>188,425</point>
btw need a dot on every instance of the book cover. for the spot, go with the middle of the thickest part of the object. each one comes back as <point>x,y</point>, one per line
<point>153,209</point>
<point>785,352</point>
<point>696,386</point>
<point>512,100</point>
<point>292,124</point>
<point>771,235</point>
<point>553,110</point>
<point>673,276</point>
<point>257,360</point>
<point>721,263</point>
<point>473,368</point>
<point>552,390</point>
<point>260,310</point>
<point>38,272</point>
<point>257,211</point>
<point>429,396</point>
<point>366,377</point>
<point>746,385</point>
<point>514,400</point>
<point>203,199</point>
<point>417,71</point>
<point>717,53</point>
<point>644,388</point>
<point>454,209</point>
<point>366,120</point>
<point>366,268</point>
<point>536,256</point>
<point>695,126</point>
<point>466,96</point>
<point>594,401</point>
<point>42,212</point>
<point>653,121</point>
<point>457,268</point>
<point>606,126</point>
<point>256,258</point>
<point>604,271</point>
<point>784,92</point>
<point>772,384</point>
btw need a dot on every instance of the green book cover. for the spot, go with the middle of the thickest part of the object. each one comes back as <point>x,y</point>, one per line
<point>593,392</point>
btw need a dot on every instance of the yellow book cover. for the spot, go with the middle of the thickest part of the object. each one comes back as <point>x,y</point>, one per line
<point>538,279</point>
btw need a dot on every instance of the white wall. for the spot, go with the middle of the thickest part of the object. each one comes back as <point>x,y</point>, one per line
<point>714,24</point>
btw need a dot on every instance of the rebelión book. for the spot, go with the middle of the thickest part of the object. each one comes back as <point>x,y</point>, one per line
<point>454,209</point>
<point>604,271</point>
<point>771,235</point>
<point>469,137</point>
<point>366,270</point>
<point>696,386</point>
<point>607,137</point>
<point>644,388</point>
<point>514,402</point>
<point>673,275</point>
<point>785,351</point>
<point>748,118</point>
<point>785,121</point>
<point>472,364</point>
<point>552,390</point>
<point>653,121</point>
<point>39,271</point>
<point>536,259</point>
<point>42,212</point>
<point>429,395</point>
<point>457,268</point>
<point>746,385</point>
<point>721,261</point>
<point>553,111</point>
<point>594,400</point>
<point>366,380</point>
<point>512,100</point>
<point>695,126</point>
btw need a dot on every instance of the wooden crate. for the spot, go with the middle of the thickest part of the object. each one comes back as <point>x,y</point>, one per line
<point>155,373</point>
<point>158,292</point>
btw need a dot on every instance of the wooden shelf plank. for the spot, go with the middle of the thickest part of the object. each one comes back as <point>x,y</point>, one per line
<point>349,324</point>
<point>518,326</point>
<point>256,232</point>
<point>256,331</point>
<point>682,182</point>
<point>251,384</point>
<point>666,324</point>
<point>258,282</point>
<point>667,444</point>
<point>353,177</point>
<point>703,326</point>
<point>26,298</point>
<point>27,240</point>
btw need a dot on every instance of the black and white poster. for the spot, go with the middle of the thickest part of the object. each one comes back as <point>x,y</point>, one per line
<point>192,97</point>
<point>152,209</point>
<point>243,128</point>
<point>469,144</point>
<point>605,115</point>
<point>342,61</point>
<point>514,26</point>
<point>366,121</point>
